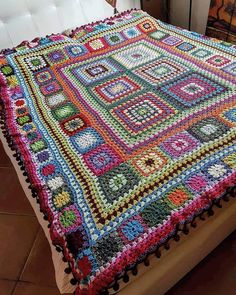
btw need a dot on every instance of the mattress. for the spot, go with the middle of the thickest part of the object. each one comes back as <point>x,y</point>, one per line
<point>125,132</point>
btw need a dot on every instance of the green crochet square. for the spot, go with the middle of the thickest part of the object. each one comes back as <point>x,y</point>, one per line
<point>38,146</point>
<point>7,70</point>
<point>155,212</point>
<point>68,218</point>
<point>64,111</point>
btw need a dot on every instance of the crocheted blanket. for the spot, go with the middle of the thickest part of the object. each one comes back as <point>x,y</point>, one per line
<point>125,134</point>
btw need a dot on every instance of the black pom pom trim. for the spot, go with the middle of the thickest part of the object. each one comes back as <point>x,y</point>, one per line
<point>116,286</point>
<point>125,277</point>
<point>67,270</point>
<point>73,281</point>
<point>135,270</point>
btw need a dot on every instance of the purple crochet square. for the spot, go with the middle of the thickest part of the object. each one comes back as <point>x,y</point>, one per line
<point>180,144</point>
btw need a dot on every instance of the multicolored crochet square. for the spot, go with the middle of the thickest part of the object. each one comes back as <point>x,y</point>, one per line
<point>125,133</point>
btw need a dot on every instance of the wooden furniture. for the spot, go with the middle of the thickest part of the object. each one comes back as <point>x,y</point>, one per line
<point>190,15</point>
<point>222,20</point>
<point>156,8</point>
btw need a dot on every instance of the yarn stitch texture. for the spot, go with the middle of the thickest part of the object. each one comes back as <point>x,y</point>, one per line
<point>125,131</point>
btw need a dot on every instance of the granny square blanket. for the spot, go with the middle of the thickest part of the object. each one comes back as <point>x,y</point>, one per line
<point>125,133</point>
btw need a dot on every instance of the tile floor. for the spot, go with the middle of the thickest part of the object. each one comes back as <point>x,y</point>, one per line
<point>24,251</point>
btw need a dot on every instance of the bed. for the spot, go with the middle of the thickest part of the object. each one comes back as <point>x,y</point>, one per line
<point>84,120</point>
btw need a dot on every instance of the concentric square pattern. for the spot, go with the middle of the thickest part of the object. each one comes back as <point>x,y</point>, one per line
<point>143,112</point>
<point>94,71</point>
<point>160,71</point>
<point>116,89</point>
<point>192,89</point>
<point>136,55</point>
<point>134,93</point>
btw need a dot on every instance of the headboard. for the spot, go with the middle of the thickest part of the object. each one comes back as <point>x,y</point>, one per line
<point>26,19</point>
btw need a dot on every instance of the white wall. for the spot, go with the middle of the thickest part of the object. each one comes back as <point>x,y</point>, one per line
<point>127,4</point>
<point>180,11</point>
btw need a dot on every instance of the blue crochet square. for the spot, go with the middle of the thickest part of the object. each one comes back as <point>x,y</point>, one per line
<point>86,140</point>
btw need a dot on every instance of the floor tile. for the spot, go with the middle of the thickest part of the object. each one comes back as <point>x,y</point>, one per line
<point>12,196</point>
<point>40,258</point>
<point>216,274</point>
<point>17,234</point>
<point>6,287</point>
<point>23,288</point>
<point>4,159</point>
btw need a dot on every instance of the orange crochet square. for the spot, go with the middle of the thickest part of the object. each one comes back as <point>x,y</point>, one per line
<point>178,197</point>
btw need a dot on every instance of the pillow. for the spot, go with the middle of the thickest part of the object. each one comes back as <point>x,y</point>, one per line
<point>106,23</point>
